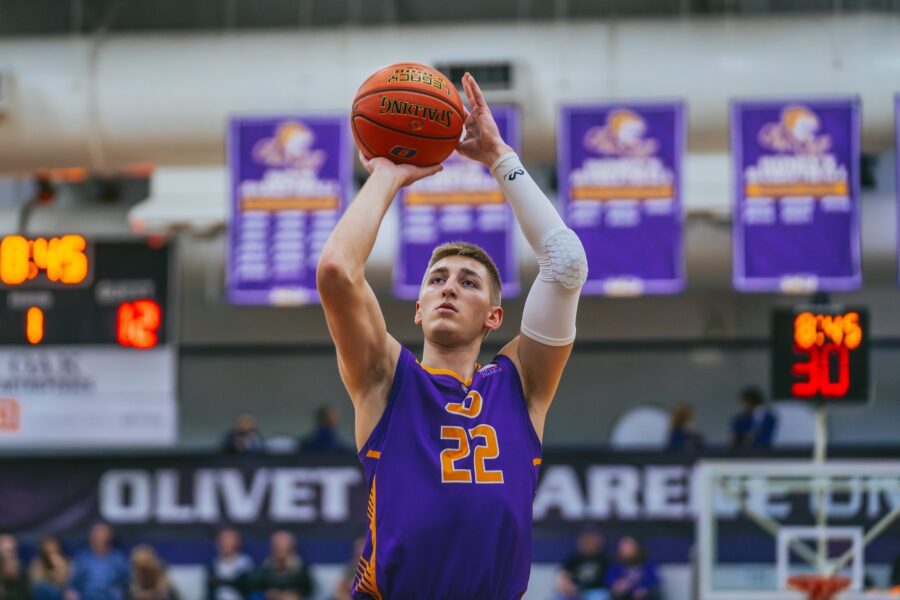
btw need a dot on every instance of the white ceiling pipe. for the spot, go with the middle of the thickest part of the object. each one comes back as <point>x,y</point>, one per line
<point>107,102</point>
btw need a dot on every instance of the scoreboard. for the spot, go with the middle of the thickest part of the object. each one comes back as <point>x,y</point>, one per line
<point>85,355</point>
<point>820,353</point>
<point>68,290</point>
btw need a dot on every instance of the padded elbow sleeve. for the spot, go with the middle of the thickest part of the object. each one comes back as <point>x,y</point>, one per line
<point>552,303</point>
<point>563,259</point>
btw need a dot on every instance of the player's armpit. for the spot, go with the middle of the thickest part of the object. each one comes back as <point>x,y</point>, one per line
<point>540,367</point>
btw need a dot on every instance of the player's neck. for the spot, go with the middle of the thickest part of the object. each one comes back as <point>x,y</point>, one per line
<point>459,359</point>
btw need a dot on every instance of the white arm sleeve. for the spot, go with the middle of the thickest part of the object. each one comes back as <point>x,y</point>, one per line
<point>552,303</point>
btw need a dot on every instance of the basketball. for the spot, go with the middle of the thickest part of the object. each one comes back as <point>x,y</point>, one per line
<point>408,113</point>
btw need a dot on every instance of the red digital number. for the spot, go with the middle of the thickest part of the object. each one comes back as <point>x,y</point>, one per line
<point>138,324</point>
<point>816,371</point>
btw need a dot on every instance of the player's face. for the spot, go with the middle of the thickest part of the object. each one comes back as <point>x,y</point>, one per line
<point>454,304</point>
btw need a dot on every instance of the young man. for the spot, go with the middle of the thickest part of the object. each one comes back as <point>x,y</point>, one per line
<point>451,451</point>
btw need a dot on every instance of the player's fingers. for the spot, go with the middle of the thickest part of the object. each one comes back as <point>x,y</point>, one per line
<point>476,92</point>
<point>467,88</point>
<point>476,97</point>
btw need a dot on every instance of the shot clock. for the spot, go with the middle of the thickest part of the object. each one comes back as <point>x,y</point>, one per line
<point>68,290</point>
<point>820,353</point>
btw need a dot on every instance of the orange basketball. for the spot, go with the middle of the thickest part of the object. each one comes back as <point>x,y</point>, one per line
<point>408,113</point>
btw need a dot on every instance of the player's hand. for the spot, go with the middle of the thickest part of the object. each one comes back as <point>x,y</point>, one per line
<point>402,175</point>
<point>482,142</point>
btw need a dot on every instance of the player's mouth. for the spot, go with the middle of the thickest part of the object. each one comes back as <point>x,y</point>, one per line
<point>446,308</point>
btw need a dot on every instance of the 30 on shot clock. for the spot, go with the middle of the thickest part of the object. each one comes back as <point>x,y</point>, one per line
<point>820,353</point>
<point>67,289</point>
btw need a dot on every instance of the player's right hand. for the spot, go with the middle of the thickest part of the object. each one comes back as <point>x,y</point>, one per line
<point>403,175</point>
<point>482,141</point>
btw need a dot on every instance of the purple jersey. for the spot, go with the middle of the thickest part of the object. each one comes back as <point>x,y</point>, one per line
<point>452,471</point>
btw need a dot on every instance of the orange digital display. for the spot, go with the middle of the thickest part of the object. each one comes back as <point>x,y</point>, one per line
<point>138,324</point>
<point>34,325</point>
<point>61,260</point>
<point>817,330</point>
<point>821,353</point>
<point>827,341</point>
<point>73,290</point>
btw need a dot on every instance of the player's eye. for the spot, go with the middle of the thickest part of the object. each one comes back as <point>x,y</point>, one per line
<point>469,283</point>
<point>436,279</point>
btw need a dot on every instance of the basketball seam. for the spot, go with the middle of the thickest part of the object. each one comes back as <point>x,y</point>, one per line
<point>395,130</point>
<point>360,139</point>
<point>414,91</point>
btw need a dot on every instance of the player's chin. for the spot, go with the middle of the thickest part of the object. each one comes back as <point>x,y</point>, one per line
<point>444,331</point>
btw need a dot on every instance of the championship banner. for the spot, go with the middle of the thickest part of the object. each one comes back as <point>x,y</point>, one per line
<point>182,499</point>
<point>461,203</point>
<point>620,190</point>
<point>796,200</point>
<point>290,179</point>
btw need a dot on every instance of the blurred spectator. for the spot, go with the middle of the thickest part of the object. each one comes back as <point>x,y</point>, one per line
<point>325,438</point>
<point>284,576</point>
<point>344,585</point>
<point>754,426</point>
<point>583,575</point>
<point>148,576</point>
<point>228,574</point>
<point>13,580</point>
<point>49,571</point>
<point>683,435</point>
<point>631,577</point>
<point>101,571</point>
<point>244,437</point>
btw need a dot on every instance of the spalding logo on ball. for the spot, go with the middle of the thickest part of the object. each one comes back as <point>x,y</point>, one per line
<point>409,113</point>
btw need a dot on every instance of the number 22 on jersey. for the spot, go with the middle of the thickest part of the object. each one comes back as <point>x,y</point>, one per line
<point>490,449</point>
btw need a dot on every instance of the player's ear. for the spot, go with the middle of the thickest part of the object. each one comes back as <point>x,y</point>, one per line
<point>418,318</point>
<point>495,318</point>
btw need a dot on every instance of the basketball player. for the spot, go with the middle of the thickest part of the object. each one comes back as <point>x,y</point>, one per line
<point>450,449</point>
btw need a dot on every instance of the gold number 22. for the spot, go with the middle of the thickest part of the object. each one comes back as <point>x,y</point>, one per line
<point>487,451</point>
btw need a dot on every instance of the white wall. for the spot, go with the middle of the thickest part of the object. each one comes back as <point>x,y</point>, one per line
<point>109,101</point>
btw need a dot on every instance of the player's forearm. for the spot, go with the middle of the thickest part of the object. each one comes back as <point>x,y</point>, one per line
<point>535,213</point>
<point>353,238</point>
<point>552,303</point>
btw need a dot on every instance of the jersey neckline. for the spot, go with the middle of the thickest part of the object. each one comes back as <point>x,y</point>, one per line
<point>450,372</point>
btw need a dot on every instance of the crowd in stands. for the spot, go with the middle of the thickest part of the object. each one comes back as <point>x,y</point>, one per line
<point>102,571</point>
<point>99,572</point>
<point>752,428</point>
<point>590,574</point>
<point>245,438</point>
<point>283,575</point>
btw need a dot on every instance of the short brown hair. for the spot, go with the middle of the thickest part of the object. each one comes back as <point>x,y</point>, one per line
<point>474,252</point>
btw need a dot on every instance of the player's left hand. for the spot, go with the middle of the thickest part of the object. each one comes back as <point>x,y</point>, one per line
<point>483,141</point>
<point>402,175</point>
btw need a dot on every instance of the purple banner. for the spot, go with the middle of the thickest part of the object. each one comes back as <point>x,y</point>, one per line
<point>796,198</point>
<point>897,175</point>
<point>620,190</point>
<point>290,179</point>
<point>461,203</point>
